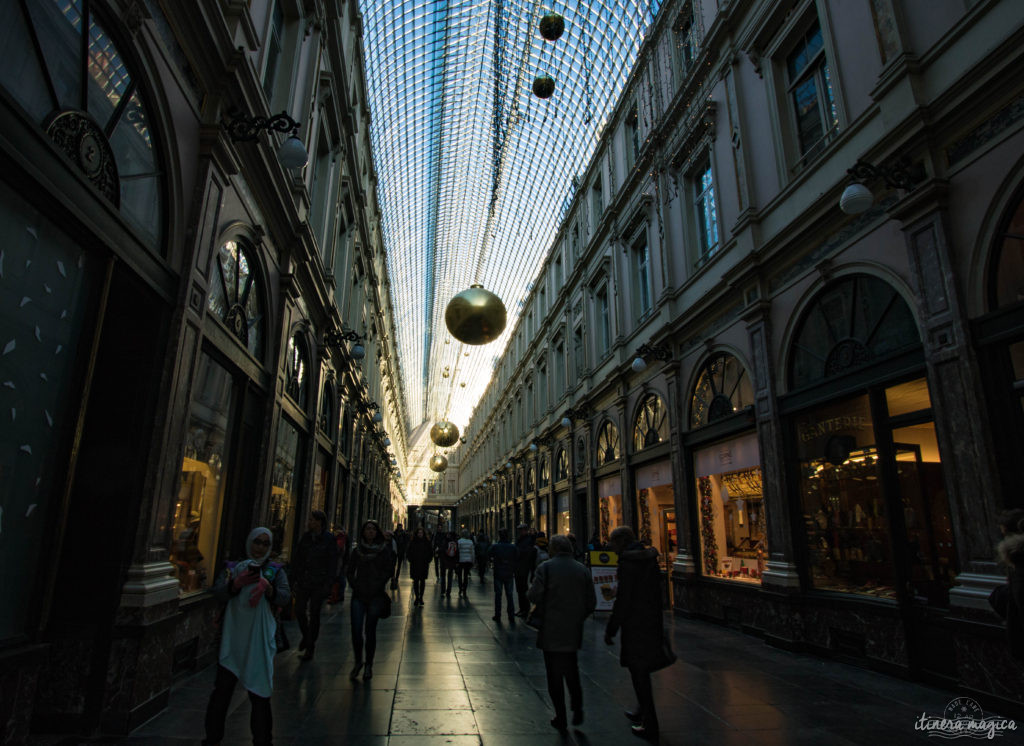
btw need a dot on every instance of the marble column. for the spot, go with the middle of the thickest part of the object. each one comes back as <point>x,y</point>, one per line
<point>962,423</point>
<point>780,571</point>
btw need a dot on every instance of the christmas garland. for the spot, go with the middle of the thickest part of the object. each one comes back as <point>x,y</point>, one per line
<point>707,527</point>
<point>645,518</point>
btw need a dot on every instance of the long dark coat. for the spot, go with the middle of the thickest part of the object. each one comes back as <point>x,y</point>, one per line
<point>1011,553</point>
<point>564,590</point>
<point>637,609</point>
<point>419,554</point>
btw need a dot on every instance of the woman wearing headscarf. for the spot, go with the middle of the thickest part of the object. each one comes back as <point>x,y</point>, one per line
<point>419,553</point>
<point>251,589</point>
<point>313,569</point>
<point>369,571</point>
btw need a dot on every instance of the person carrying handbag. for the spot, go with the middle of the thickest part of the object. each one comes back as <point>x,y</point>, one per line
<point>637,612</point>
<point>252,590</point>
<point>563,592</point>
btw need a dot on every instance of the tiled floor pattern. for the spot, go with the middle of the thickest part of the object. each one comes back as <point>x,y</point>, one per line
<point>447,674</point>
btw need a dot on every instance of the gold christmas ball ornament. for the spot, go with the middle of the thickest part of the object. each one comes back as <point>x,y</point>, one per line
<point>475,316</point>
<point>444,434</point>
<point>438,463</point>
<point>543,87</point>
<point>551,26</point>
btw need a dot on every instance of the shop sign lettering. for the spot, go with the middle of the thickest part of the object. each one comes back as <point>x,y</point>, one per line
<point>811,430</point>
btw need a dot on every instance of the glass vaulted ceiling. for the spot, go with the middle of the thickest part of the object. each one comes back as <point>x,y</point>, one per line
<point>475,172</point>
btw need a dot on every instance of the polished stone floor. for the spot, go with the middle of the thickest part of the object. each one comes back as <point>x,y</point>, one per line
<point>447,674</point>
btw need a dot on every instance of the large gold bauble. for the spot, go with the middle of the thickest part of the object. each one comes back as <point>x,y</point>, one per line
<point>444,434</point>
<point>438,462</point>
<point>475,316</point>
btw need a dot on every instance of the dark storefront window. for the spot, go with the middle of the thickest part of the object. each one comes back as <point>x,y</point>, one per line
<point>285,488</point>
<point>44,285</point>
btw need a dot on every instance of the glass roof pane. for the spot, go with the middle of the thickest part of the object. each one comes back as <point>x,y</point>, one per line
<point>473,170</point>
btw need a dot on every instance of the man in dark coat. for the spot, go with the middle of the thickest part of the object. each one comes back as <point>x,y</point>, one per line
<point>524,567</point>
<point>313,569</point>
<point>503,556</point>
<point>563,591</point>
<point>637,612</point>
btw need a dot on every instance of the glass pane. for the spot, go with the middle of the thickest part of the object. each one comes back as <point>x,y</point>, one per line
<point>931,552</point>
<point>197,511</point>
<point>907,397</point>
<point>321,473</point>
<point>653,503</point>
<point>285,489</point>
<point>808,113</point>
<point>58,25</point>
<point>44,290</point>
<point>21,74</point>
<point>108,77</point>
<point>844,516</point>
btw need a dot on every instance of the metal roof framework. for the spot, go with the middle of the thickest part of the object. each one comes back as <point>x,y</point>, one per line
<point>475,172</point>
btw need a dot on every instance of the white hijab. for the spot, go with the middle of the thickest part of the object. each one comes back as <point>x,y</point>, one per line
<point>248,546</point>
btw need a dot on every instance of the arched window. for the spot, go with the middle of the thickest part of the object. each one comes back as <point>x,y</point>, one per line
<point>297,370</point>
<point>344,428</point>
<point>853,322</point>
<point>235,296</point>
<point>69,75</point>
<point>531,479</point>
<point>1007,281</point>
<point>562,465</point>
<point>722,388</point>
<point>607,443</point>
<point>651,425</point>
<point>545,473</point>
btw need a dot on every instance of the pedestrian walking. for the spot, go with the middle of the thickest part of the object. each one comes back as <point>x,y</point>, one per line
<point>1008,599</point>
<point>439,543</point>
<point>401,547</point>
<point>524,566</point>
<point>449,563</point>
<point>502,556</point>
<point>637,612</point>
<point>483,545</point>
<point>338,587</point>
<point>369,570</point>
<point>419,555</point>
<point>563,592</point>
<point>251,589</point>
<point>467,554</point>
<point>313,569</point>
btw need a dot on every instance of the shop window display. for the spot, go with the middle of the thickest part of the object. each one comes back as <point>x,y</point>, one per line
<point>284,489</point>
<point>609,506</point>
<point>542,516</point>
<point>321,473</point>
<point>658,521</point>
<point>731,513</point>
<point>197,511</point>
<point>563,514</point>
<point>844,510</point>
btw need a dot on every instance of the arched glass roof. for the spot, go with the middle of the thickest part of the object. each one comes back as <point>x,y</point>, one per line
<point>474,171</point>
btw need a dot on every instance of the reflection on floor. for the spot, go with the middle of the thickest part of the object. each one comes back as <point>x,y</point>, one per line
<point>447,674</point>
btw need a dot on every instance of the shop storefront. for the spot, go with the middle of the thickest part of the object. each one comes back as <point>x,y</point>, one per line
<point>562,516</point>
<point>542,515</point>
<point>657,511</point>
<point>609,506</point>
<point>730,507</point>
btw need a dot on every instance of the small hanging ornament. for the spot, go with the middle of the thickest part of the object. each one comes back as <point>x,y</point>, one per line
<point>551,26</point>
<point>543,86</point>
<point>475,316</point>
<point>444,433</point>
<point>438,463</point>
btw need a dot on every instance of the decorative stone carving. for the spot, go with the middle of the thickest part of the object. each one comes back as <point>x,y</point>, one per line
<point>82,140</point>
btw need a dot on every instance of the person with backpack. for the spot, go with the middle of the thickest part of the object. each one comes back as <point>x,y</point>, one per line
<point>483,545</point>
<point>502,556</point>
<point>449,563</point>
<point>467,553</point>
